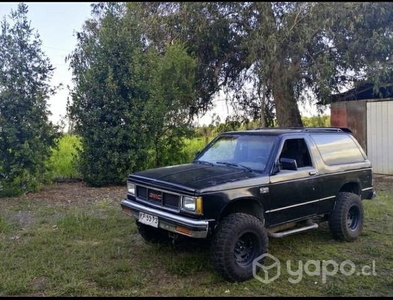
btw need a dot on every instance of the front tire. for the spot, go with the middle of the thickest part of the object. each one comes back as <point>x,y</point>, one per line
<point>240,239</point>
<point>347,217</point>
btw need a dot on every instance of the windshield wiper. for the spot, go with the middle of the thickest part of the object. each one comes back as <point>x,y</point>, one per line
<point>234,165</point>
<point>203,162</point>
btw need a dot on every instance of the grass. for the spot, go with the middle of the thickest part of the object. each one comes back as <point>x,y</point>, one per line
<point>93,249</point>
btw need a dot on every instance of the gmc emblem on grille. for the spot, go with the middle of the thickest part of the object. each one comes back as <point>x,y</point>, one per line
<point>155,196</point>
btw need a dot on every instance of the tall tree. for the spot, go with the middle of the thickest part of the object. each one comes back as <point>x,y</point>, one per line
<point>172,92</point>
<point>318,47</point>
<point>210,31</point>
<point>285,50</point>
<point>130,101</point>
<point>26,135</point>
<point>110,88</point>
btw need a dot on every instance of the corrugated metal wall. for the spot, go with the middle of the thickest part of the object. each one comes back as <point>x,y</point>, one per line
<point>351,114</point>
<point>380,136</point>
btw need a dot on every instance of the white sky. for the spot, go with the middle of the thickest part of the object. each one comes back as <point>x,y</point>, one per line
<point>56,23</point>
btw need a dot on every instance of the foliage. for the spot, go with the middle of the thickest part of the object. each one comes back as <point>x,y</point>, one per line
<point>316,121</point>
<point>269,56</point>
<point>209,35</point>
<point>62,163</point>
<point>194,145</point>
<point>107,107</point>
<point>26,135</point>
<point>171,95</point>
<point>213,33</point>
<point>130,102</point>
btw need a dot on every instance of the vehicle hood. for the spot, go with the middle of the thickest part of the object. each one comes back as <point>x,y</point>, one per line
<point>193,176</point>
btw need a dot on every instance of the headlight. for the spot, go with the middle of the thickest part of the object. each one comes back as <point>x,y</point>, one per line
<point>192,204</point>
<point>131,188</point>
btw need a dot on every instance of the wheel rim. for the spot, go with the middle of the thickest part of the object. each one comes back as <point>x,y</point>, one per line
<point>353,218</point>
<point>245,249</point>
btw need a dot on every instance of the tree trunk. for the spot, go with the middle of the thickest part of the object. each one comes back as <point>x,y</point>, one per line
<point>263,119</point>
<point>287,110</point>
<point>262,96</point>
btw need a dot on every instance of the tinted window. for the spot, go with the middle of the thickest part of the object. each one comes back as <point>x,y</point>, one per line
<point>337,149</point>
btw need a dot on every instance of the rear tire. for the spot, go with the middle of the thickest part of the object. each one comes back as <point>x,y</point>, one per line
<point>347,217</point>
<point>240,239</point>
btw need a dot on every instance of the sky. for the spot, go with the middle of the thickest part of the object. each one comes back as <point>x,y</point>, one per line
<point>56,23</point>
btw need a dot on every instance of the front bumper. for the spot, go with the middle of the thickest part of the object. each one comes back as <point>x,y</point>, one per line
<point>168,221</point>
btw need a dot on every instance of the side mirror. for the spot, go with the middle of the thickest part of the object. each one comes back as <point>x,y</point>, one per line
<point>288,163</point>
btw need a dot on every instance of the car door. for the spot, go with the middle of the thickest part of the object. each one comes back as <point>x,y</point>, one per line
<point>293,193</point>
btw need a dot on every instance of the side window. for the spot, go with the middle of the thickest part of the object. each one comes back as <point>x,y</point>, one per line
<point>337,149</point>
<point>297,149</point>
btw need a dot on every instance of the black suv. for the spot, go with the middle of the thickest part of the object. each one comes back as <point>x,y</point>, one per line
<point>247,186</point>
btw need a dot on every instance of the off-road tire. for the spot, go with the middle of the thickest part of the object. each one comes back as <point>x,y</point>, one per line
<point>151,234</point>
<point>346,219</point>
<point>238,235</point>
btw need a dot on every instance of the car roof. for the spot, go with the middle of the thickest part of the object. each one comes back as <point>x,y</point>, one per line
<point>291,130</point>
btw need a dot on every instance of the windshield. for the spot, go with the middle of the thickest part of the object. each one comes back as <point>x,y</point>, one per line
<point>245,151</point>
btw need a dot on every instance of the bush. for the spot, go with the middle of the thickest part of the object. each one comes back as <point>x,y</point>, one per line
<point>63,161</point>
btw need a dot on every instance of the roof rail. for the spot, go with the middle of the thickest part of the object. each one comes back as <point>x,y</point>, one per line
<point>328,129</point>
<point>310,129</point>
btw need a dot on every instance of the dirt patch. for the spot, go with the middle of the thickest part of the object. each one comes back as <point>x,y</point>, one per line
<point>72,193</point>
<point>383,182</point>
<point>66,194</point>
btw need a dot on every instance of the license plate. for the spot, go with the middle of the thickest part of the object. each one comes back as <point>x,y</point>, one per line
<point>148,219</point>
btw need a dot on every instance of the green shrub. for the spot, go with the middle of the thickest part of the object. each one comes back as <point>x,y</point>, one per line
<point>192,146</point>
<point>63,161</point>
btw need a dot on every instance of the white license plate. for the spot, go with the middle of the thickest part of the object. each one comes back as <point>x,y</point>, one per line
<point>148,219</point>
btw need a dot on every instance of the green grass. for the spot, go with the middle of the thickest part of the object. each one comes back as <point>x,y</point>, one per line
<point>95,250</point>
<point>63,161</point>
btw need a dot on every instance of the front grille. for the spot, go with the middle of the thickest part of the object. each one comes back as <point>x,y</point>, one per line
<point>158,197</point>
<point>171,200</point>
<point>141,192</point>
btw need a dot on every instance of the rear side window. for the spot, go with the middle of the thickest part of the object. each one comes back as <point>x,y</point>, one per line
<point>337,149</point>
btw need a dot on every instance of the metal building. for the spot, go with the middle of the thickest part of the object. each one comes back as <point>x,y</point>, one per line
<point>371,120</point>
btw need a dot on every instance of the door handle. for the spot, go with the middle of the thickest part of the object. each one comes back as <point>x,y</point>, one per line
<point>313,173</point>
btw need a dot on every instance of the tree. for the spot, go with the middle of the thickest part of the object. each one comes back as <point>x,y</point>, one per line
<point>209,34</point>
<point>288,51</point>
<point>110,89</point>
<point>130,101</point>
<point>319,47</point>
<point>172,93</point>
<point>26,135</point>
